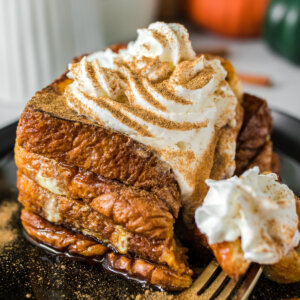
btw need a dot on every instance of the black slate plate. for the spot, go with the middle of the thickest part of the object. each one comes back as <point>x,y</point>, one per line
<point>29,272</point>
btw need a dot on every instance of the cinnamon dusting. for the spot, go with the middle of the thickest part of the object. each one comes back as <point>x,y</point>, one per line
<point>166,90</point>
<point>152,68</point>
<point>154,119</point>
<point>160,38</point>
<point>185,76</point>
<point>144,93</point>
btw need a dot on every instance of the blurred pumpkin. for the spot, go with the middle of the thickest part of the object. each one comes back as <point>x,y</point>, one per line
<point>236,18</point>
<point>282,28</point>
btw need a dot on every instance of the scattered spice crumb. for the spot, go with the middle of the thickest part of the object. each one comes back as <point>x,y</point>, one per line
<point>150,295</point>
<point>7,233</point>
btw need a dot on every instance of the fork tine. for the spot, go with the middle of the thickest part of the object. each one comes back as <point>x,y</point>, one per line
<point>200,281</point>
<point>249,283</point>
<point>227,290</point>
<point>215,284</point>
<point>214,287</point>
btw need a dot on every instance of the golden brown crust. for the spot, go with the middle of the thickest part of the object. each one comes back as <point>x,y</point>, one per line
<point>222,156</point>
<point>155,274</point>
<point>231,258</point>
<point>59,237</point>
<point>263,159</point>
<point>65,240</point>
<point>287,270</point>
<point>233,79</point>
<point>99,150</point>
<point>137,210</point>
<point>255,131</point>
<point>80,216</point>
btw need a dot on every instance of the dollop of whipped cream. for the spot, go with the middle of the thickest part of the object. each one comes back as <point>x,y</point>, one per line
<point>254,207</point>
<point>159,93</point>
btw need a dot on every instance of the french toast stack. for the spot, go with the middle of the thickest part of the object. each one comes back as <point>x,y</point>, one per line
<point>88,190</point>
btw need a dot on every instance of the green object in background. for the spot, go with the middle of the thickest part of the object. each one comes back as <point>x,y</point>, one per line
<point>282,28</point>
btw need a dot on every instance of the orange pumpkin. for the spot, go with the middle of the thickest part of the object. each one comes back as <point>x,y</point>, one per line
<point>237,18</point>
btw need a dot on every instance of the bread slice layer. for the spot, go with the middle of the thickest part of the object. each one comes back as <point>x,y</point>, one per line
<point>85,218</point>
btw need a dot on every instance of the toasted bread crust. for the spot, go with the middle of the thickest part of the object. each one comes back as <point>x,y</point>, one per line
<point>60,238</point>
<point>255,131</point>
<point>99,150</point>
<point>263,159</point>
<point>82,217</point>
<point>68,241</point>
<point>155,274</point>
<point>287,270</point>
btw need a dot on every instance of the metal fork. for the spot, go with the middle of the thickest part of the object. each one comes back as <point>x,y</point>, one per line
<point>213,284</point>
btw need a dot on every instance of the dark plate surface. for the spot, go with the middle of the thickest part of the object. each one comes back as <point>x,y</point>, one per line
<point>29,272</point>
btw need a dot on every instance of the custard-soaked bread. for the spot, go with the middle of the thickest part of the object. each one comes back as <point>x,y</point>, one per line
<point>231,258</point>
<point>84,217</point>
<point>287,270</point>
<point>229,255</point>
<point>137,210</point>
<point>65,240</point>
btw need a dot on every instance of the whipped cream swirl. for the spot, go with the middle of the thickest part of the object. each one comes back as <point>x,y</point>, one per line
<point>256,208</point>
<point>159,93</point>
